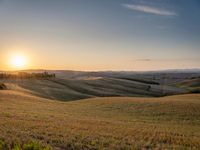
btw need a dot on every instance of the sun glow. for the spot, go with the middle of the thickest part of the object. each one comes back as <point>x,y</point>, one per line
<point>19,61</point>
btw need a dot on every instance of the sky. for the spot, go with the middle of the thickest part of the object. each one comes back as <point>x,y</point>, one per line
<point>97,35</point>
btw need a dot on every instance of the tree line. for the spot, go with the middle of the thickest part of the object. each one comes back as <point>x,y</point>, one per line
<point>25,75</point>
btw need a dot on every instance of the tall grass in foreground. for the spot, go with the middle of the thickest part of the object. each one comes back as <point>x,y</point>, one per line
<point>26,146</point>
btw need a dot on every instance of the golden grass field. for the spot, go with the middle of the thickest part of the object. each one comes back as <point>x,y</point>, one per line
<point>101,123</point>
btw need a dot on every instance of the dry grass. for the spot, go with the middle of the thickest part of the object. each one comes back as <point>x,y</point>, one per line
<point>101,123</point>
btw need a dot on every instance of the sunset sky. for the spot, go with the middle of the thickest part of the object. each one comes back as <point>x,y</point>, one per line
<point>100,34</point>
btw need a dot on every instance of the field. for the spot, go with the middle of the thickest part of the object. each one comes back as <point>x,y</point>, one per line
<point>74,85</point>
<point>101,110</point>
<point>171,122</point>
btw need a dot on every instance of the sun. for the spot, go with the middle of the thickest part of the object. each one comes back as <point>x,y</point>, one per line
<point>19,61</point>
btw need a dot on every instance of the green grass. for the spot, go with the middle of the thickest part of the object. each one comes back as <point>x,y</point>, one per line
<point>101,123</point>
<point>26,146</point>
<point>191,85</point>
<point>3,145</point>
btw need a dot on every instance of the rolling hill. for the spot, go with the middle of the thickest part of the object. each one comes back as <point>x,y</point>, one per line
<point>113,110</point>
<point>88,87</point>
<point>74,85</point>
<point>101,123</point>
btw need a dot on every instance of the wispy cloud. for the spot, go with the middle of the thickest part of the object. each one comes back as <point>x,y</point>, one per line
<point>165,59</point>
<point>150,9</point>
<point>143,59</point>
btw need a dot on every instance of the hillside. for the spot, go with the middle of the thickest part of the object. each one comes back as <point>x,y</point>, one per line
<point>190,83</point>
<point>90,87</point>
<point>69,85</point>
<point>101,123</point>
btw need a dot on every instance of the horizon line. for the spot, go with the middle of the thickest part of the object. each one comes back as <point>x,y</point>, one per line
<point>156,70</point>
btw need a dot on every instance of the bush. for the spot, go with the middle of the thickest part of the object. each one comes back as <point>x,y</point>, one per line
<point>2,86</point>
<point>195,91</point>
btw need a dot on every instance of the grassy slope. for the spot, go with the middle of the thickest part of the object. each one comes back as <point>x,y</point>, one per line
<point>192,85</point>
<point>189,83</point>
<point>110,123</point>
<point>65,89</point>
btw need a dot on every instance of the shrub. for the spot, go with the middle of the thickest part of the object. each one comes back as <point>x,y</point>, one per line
<point>195,91</point>
<point>2,86</point>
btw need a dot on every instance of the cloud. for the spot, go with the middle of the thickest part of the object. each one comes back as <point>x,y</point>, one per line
<point>166,59</point>
<point>143,60</point>
<point>150,10</point>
